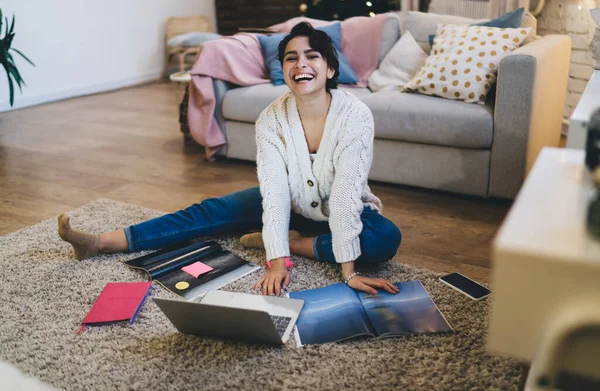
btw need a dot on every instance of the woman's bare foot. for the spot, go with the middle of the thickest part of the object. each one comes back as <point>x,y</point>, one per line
<point>85,245</point>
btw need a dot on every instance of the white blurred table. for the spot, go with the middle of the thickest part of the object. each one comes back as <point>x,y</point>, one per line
<point>546,273</point>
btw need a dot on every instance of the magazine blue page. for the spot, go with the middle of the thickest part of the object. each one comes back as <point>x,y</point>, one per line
<point>330,314</point>
<point>409,311</point>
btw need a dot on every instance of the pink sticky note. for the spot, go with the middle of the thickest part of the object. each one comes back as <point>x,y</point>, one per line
<point>195,269</point>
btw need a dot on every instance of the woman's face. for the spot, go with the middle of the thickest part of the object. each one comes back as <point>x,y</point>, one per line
<point>305,70</point>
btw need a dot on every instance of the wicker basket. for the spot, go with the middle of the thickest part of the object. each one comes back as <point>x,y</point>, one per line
<point>178,25</point>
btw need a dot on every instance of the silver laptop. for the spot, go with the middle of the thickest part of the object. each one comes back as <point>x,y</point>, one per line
<point>251,318</point>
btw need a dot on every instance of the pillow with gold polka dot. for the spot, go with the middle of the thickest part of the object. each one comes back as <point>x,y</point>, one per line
<point>464,60</point>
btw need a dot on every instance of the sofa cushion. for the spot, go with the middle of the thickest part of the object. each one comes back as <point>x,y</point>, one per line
<point>430,120</point>
<point>398,116</point>
<point>246,103</point>
<point>399,65</point>
<point>421,25</point>
<point>529,21</point>
<point>389,35</point>
<point>511,19</point>
<point>464,61</point>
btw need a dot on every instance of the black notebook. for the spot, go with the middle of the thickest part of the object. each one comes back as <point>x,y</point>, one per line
<point>338,312</point>
<point>165,267</point>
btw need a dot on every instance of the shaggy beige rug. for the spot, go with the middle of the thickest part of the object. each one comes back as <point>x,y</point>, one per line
<point>45,293</point>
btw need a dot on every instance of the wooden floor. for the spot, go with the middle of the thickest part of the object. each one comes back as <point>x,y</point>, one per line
<point>126,145</point>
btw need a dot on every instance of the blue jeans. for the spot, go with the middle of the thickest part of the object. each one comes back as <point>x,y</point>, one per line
<point>242,212</point>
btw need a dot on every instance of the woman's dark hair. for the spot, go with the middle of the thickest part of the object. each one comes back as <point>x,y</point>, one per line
<point>319,41</point>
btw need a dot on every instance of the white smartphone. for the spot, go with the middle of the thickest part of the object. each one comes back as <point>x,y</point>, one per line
<point>466,286</point>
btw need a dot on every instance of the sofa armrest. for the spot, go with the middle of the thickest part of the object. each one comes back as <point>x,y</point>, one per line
<point>530,98</point>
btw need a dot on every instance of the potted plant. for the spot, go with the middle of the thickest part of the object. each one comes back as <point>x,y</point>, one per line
<point>7,60</point>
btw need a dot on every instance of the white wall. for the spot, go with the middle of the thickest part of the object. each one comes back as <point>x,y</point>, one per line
<point>86,46</point>
<point>565,17</point>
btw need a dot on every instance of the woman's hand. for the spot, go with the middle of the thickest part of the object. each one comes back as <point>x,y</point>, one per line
<point>366,284</point>
<point>276,278</point>
<point>369,285</point>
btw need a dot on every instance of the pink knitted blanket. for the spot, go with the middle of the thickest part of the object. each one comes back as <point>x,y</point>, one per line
<point>236,59</point>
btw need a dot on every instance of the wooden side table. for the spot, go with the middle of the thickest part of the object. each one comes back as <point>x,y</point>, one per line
<point>180,80</point>
<point>546,274</point>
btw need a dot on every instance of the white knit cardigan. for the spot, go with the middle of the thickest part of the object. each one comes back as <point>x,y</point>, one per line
<point>333,188</point>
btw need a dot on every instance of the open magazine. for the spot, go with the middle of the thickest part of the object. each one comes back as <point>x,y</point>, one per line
<point>338,312</point>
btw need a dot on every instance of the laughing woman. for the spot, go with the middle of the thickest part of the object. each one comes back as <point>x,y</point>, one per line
<point>315,146</point>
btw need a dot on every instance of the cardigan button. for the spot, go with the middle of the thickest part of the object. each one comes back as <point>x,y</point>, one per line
<point>314,204</point>
<point>310,183</point>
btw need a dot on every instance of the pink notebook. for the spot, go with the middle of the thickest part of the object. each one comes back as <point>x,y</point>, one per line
<point>119,301</point>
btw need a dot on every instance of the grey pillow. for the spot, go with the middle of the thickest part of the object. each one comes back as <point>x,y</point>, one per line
<point>421,25</point>
<point>192,39</point>
<point>389,36</point>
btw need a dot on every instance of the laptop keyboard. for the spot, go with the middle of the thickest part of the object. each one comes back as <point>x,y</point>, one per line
<point>281,323</point>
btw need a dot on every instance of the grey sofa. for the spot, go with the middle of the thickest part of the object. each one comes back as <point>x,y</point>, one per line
<point>435,143</point>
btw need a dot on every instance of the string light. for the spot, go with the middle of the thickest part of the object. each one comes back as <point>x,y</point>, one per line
<point>307,5</point>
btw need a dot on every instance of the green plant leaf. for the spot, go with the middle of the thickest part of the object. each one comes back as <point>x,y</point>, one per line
<point>6,58</point>
<point>12,25</point>
<point>16,75</point>
<point>13,69</point>
<point>16,79</point>
<point>19,83</point>
<point>11,89</point>
<point>9,39</point>
<point>25,57</point>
